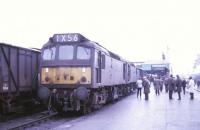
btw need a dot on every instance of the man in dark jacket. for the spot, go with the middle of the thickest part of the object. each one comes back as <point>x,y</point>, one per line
<point>166,85</point>
<point>178,86</point>
<point>184,85</point>
<point>171,84</point>
<point>157,86</point>
<point>146,85</point>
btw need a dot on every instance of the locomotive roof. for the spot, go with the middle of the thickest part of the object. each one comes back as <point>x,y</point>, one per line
<point>85,42</point>
<point>113,55</point>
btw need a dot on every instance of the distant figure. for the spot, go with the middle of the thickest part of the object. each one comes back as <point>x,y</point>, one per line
<point>191,87</point>
<point>161,84</point>
<point>146,85</point>
<point>171,85</point>
<point>178,86</point>
<point>156,84</point>
<point>198,83</point>
<point>139,87</point>
<point>166,85</point>
<point>184,85</point>
<point>151,79</point>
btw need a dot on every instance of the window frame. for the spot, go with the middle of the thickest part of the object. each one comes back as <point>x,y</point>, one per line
<point>103,61</point>
<point>85,48</point>
<point>73,54</point>
<point>55,51</point>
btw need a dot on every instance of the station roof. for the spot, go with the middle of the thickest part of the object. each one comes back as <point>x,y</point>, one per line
<point>153,65</point>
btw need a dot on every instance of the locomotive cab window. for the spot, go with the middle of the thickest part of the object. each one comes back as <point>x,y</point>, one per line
<point>83,53</point>
<point>66,52</point>
<point>49,53</point>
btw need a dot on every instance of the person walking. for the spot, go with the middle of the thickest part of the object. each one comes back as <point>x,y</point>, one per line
<point>139,87</point>
<point>184,85</point>
<point>161,84</point>
<point>156,84</point>
<point>178,86</point>
<point>198,83</point>
<point>191,87</point>
<point>146,85</point>
<point>171,84</point>
<point>150,79</point>
<point>166,84</point>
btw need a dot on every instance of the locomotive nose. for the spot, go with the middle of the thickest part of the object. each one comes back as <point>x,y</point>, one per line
<point>81,93</point>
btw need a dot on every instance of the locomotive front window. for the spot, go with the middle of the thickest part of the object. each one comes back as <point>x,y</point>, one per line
<point>66,52</point>
<point>83,53</point>
<point>49,53</point>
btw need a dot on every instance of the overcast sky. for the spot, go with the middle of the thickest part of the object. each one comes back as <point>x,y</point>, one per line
<point>137,30</point>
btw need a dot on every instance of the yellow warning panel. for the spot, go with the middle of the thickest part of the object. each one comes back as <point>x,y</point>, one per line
<point>66,75</point>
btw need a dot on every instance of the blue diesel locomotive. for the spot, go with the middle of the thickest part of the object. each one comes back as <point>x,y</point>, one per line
<point>77,74</point>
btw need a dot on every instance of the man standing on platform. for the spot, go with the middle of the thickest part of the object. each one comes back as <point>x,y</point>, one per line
<point>139,87</point>
<point>178,86</point>
<point>166,84</point>
<point>157,86</point>
<point>171,85</point>
<point>146,85</point>
<point>191,88</point>
<point>184,85</point>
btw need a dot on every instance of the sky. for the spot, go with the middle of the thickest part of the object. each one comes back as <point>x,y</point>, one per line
<point>137,30</point>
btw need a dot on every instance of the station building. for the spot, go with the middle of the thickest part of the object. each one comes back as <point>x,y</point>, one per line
<point>156,68</point>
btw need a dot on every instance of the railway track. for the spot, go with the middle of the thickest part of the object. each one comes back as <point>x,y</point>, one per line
<point>42,117</point>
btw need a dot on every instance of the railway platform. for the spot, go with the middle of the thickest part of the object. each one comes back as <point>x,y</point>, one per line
<point>131,113</point>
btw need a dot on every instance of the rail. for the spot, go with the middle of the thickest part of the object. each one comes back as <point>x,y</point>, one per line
<point>43,118</point>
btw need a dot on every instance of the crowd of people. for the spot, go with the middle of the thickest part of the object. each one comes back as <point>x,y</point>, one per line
<point>170,84</point>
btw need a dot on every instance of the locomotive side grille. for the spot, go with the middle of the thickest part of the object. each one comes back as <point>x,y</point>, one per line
<point>66,75</point>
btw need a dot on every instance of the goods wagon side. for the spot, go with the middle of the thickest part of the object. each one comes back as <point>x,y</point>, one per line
<point>18,76</point>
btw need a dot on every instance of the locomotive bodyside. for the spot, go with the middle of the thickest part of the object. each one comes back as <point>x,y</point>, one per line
<point>109,66</point>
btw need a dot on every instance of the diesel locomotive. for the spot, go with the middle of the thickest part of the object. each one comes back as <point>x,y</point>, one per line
<point>77,74</point>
